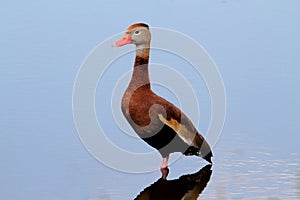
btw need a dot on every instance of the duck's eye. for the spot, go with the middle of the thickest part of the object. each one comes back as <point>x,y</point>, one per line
<point>137,32</point>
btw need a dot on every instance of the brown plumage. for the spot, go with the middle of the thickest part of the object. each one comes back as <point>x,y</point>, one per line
<point>158,122</point>
<point>138,25</point>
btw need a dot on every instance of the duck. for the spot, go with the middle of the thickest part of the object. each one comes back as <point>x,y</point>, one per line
<point>156,121</point>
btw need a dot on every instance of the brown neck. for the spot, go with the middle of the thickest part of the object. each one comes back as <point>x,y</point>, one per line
<point>140,75</point>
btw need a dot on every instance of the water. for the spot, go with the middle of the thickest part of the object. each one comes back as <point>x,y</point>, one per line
<point>254,44</point>
<point>243,169</point>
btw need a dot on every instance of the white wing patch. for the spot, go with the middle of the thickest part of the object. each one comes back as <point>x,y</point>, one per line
<point>180,129</point>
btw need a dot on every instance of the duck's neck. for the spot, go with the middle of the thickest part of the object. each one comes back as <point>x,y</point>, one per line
<point>140,75</point>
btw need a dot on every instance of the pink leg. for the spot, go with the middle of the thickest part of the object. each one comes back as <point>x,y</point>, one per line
<point>165,162</point>
<point>164,167</point>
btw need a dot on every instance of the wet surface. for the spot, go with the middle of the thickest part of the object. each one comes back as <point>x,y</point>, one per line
<point>242,169</point>
<point>254,173</point>
<point>247,173</point>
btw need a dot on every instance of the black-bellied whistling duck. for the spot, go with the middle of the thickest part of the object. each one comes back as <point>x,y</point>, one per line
<point>158,122</point>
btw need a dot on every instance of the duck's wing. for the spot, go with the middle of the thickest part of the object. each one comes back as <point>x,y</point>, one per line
<point>182,125</point>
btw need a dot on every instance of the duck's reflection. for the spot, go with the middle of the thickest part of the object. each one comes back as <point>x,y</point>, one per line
<point>186,187</point>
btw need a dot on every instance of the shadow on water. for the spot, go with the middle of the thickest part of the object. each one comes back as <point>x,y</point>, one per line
<point>186,187</point>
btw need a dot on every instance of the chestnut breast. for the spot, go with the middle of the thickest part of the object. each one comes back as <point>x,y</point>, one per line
<point>141,108</point>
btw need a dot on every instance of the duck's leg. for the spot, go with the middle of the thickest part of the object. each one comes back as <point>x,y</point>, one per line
<point>164,172</point>
<point>164,167</point>
<point>165,162</point>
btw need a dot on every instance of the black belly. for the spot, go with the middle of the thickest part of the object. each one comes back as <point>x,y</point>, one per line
<point>167,141</point>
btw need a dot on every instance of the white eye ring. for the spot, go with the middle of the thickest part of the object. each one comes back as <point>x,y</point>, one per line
<point>137,32</point>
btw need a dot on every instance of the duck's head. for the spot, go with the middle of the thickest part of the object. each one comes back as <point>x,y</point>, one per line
<point>138,34</point>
